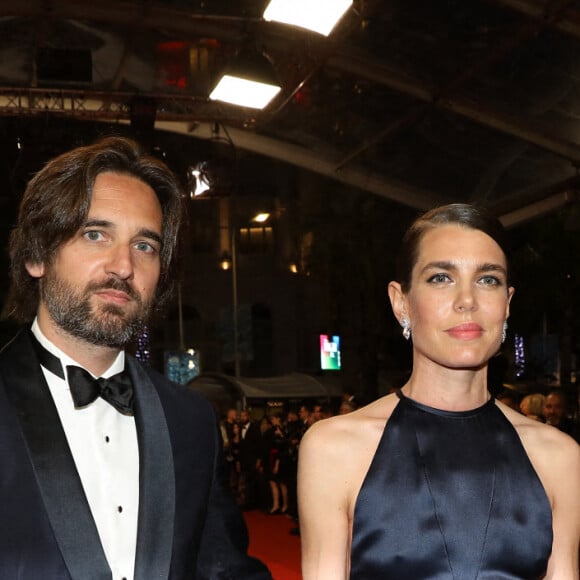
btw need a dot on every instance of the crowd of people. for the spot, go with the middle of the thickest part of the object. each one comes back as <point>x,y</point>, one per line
<point>552,408</point>
<point>262,453</point>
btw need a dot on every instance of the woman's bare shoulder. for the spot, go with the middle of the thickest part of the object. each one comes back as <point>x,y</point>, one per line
<point>551,452</point>
<point>359,429</point>
<point>538,435</point>
<point>336,453</point>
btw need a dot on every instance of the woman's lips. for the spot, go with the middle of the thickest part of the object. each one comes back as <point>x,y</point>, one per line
<point>468,331</point>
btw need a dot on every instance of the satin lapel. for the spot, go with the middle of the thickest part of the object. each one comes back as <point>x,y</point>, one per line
<point>157,480</point>
<point>60,485</point>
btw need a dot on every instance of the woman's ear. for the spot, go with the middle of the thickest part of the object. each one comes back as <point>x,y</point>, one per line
<point>36,270</point>
<point>511,291</point>
<point>398,302</point>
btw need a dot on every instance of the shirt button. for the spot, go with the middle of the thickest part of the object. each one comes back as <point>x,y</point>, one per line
<point>107,439</point>
<point>120,509</point>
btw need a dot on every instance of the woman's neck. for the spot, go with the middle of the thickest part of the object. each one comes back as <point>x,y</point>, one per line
<point>448,389</point>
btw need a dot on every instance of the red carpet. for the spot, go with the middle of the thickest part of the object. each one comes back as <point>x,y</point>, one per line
<point>271,542</point>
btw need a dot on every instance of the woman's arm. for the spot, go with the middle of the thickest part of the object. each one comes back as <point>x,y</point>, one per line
<point>323,504</point>
<point>564,481</point>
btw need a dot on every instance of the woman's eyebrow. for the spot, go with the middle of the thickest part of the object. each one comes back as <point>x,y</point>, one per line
<point>439,265</point>
<point>451,266</point>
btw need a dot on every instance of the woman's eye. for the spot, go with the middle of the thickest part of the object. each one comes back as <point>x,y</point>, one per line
<point>490,281</point>
<point>438,278</point>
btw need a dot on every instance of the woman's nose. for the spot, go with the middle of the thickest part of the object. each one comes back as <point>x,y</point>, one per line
<point>465,299</point>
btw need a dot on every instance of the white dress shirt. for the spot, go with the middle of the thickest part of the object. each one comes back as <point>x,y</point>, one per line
<point>103,443</point>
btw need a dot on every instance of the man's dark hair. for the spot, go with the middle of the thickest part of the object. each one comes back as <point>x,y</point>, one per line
<point>56,203</point>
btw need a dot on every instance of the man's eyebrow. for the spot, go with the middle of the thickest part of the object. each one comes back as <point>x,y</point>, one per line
<point>152,235</point>
<point>446,265</point>
<point>143,232</point>
<point>91,223</point>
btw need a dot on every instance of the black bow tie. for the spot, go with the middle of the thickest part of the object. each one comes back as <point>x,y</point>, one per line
<point>116,390</point>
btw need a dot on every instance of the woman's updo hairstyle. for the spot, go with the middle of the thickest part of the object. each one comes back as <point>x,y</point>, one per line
<point>461,214</point>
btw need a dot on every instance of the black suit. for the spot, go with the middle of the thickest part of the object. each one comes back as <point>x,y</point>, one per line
<point>250,450</point>
<point>188,527</point>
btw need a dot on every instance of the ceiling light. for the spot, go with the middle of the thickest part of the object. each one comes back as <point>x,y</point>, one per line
<point>198,179</point>
<point>249,81</point>
<point>320,16</point>
<point>261,217</point>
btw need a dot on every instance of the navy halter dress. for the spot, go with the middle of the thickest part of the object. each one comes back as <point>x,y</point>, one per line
<point>450,496</point>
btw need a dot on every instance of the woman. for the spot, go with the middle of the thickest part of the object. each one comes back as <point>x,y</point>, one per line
<point>532,406</point>
<point>275,459</point>
<point>439,480</point>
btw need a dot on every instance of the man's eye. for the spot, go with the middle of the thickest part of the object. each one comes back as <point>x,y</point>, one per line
<point>145,247</point>
<point>93,235</point>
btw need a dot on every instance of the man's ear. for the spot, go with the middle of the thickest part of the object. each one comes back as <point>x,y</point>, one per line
<point>397,299</point>
<point>36,270</point>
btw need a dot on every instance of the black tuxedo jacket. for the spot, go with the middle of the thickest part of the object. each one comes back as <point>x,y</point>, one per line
<point>250,446</point>
<point>189,526</point>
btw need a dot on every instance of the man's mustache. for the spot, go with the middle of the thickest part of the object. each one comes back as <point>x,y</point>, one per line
<point>114,284</point>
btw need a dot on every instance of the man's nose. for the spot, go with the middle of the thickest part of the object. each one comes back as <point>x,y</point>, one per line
<point>120,262</point>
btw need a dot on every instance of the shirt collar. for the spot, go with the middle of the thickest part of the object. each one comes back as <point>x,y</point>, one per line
<point>117,366</point>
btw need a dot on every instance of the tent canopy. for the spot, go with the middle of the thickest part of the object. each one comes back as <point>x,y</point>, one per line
<point>225,390</point>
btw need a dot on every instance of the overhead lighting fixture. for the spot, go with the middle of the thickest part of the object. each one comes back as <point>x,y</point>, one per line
<point>320,16</point>
<point>249,81</point>
<point>261,218</point>
<point>198,179</point>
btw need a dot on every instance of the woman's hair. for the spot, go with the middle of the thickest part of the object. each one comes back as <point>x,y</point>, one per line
<point>56,204</point>
<point>459,214</point>
<point>534,404</point>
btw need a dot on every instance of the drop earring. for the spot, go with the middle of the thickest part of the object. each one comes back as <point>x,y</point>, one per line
<point>504,331</point>
<point>406,324</point>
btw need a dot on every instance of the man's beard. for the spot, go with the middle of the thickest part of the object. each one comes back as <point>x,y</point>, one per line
<point>103,325</point>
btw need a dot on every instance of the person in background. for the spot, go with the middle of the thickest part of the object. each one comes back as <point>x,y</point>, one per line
<point>305,412</point>
<point>532,406</point>
<point>510,398</point>
<point>439,479</point>
<point>107,469</point>
<point>346,407</point>
<point>294,432</point>
<point>555,411</point>
<point>276,464</point>
<point>231,435</point>
<point>251,468</point>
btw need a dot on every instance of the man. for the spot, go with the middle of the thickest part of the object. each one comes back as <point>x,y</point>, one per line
<point>250,461</point>
<point>555,411</point>
<point>128,485</point>
<point>231,440</point>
